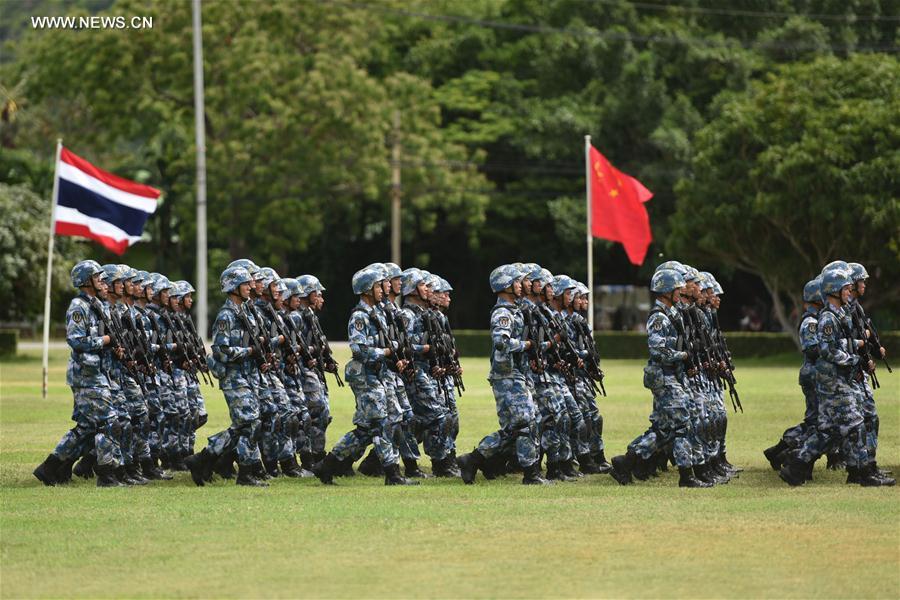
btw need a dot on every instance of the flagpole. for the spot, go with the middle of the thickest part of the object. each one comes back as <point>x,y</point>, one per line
<point>45,358</point>
<point>200,132</point>
<point>590,237</point>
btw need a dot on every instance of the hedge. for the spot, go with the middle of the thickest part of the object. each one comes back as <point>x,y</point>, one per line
<point>633,344</point>
<point>8,342</point>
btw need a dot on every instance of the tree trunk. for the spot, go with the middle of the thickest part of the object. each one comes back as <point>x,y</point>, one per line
<point>783,318</point>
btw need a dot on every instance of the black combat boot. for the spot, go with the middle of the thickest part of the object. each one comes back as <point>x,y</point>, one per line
<point>64,472</point>
<point>730,466</point>
<point>532,475</point>
<point>775,455</point>
<point>444,467</point>
<point>662,462</point>
<point>868,477</point>
<point>568,469</point>
<point>48,471</point>
<point>259,471</point>
<point>493,467</point>
<point>603,465</point>
<point>687,479</point>
<point>149,470</point>
<point>84,468</point>
<point>513,466</point>
<point>290,468</point>
<point>134,472</point>
<point>469,465</point>
<point>412,470</point>
<point>622,467</point>
<point>163,474</point>
<point>106,477</point>
<point>835,462</point>
<point>555,472</point>
<point>177,463</point>
<point>793,471</point>
<point>881,472</point>
<point>371,465</point>
<point>223,466</point>
<point>198,464</point>
<point>307,461</point>
<point>586,464</point>
<point>271,467</point>
<point>344,468</point>
<point>326,468</point>
<point>246,476</point>
<point>125,477</point>
<point>392,476</point>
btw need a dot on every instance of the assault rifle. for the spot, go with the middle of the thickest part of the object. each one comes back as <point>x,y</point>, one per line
<point>136,336</point>
<point>535,332</point>
<point>117,340</point>
<point>260,344</point>
<point>867,352</point>
<point>567,359</point>
<point>441,355</point>
<point>321,348</point>
<point>396,332</point>
<point>874,340</point>
<point>723,355</point>
<point>198,348</point>
<point>586,340</point>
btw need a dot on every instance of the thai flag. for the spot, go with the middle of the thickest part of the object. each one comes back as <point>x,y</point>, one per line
<point>96,204</point>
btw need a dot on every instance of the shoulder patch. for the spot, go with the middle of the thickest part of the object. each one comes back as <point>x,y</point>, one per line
<point>812,327</point>
<point>503,321</point>
<point>827,329</point>
<point>359,325</point>
<point>657,325</point>
<point>77,316</point>
<point>223,325</point>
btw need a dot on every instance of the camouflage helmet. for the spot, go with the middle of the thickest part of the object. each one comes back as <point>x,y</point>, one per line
<point>858,272</point>
<point>267,276</point>
<point>530,269</point>
<point>291,288</point>
<point>393,270</point>
<point>707,281</point>
<point>665,281</point>
<point>179,289</point>
<point>142,278</point>
<point>245,263</point>
<point>186,284</point>
<point>691,274</point>
<point>379,267</point>
<point>128,272</point>
<point>561,283</point>
<point>581,289</point>
<point>812,291</point>
<point>233,277</point>
<point>364,279</point>
<point>307,284</point>
<point>83,271</point>
<point>433,281</point>
<point>410,279</point>
<point>503,277</point>
<point>837,264</point>
<point>717,288</point>
<point>444,285</point>
<point>671,264</point>
<point>161,284</point>
<point>833,280</point>
<point>112,273</point>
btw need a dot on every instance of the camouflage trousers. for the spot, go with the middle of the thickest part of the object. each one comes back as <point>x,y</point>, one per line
<point>320,418</point>
<point>125,438</point>
<point>870,416</point>
<point>371,420</point>
<point>296,430</point>
<point>430,413</point>
<point>671,421</point>
<point>554,422</point>
<point>176,426</point>
<point>276,416</point>
<point>401,418</point>
<point>795,436</point>
<point>198,409</point>
<point>244,433</point>
<point>578,426</point>
<point>96,427</point>
<point>840,423</point>
<point>452,411</point>
<point>587,402</point>
<point>517,415</point>
<point>138,416</point>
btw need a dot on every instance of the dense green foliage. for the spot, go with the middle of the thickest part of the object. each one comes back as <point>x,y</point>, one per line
<point>495,98</point>
<point>754,537</point>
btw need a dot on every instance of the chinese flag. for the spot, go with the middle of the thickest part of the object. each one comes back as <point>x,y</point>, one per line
<point>618,213</point>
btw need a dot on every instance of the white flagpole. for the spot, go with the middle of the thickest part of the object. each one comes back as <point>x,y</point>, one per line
<point>46,348</point>
<point>200,133</point>
<point>590,237</point>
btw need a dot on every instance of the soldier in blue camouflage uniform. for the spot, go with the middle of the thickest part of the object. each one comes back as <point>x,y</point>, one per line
<point>315,389</point>
<point>400,410</point>
<point>233,362</point>
<point>365,374</point>
<point>277,412</point>
<point>95,416</point>
<point>591,458</point>
<point>300,423</point>
<point>840,421</point>
<point>426,393</point>
<point>516,410</point>
<point>181,427</point>
<point>196,405</point>
<point>794,437</point>
<point>859,275</point>
<point>136,402</point>
<point>665,376</point>
<point>441,300</point>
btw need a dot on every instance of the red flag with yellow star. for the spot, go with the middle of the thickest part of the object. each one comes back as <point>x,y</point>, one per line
<point>618,213</point>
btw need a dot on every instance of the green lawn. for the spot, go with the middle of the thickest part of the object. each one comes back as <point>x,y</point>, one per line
<point>754,537</point>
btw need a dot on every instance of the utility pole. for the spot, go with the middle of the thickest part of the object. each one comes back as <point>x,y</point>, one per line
<point>395,190</point>
<point>200,131</point>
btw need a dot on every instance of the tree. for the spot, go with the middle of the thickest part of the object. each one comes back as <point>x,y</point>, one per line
<point>799,170</point>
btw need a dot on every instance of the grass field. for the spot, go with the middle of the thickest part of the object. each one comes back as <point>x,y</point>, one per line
<point>754,537</point>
